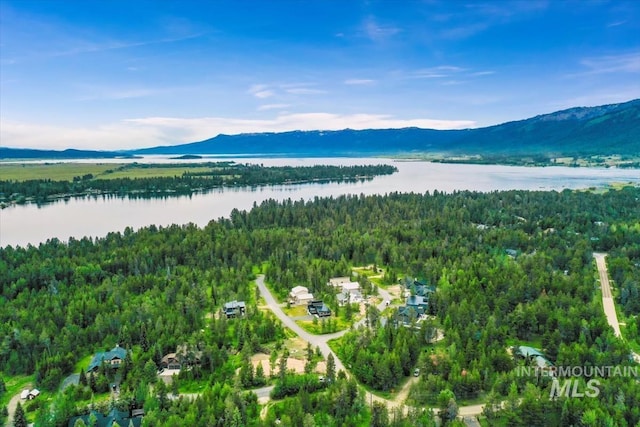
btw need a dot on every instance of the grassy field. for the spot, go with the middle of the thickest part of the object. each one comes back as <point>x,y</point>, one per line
<point>53,171</point>
<point>15,385</point>
<point>67,171</point>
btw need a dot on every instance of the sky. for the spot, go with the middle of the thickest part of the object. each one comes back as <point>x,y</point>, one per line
<point>129,74</point>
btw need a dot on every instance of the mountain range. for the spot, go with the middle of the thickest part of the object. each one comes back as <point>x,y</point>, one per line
<point>581,131</point>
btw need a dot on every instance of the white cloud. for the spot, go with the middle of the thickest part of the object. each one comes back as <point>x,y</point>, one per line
<point>359,81</point>
<point>261,91</point>
<point>305,91</point>
<point>151,131</point>
<point>378,32</point>
<point>264,94</point>
<point>266,107</point>
<point>483,73</point>
<point>624,63</point>
<point>436,72</point>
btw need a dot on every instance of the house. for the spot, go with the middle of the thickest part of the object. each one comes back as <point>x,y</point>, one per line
<point>121,418</point>
<point>342,298</point>
<point>171,361</point>
<point>408,314</point>
<point>535,355</point>
<point>184,356</point>
<point>419,303</point>
<point>25,394</point>
<point>113,357</point>
<point>318,308</point>
<point>33,394</point>
<point>337,281</point>
<point>300,295</point>
<point>350,286</point>
<point>234,309</point>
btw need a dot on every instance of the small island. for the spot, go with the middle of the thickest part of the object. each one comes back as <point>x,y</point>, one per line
<point>187,157</point>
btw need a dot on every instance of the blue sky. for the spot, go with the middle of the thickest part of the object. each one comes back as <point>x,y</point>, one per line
<point>123,74</point>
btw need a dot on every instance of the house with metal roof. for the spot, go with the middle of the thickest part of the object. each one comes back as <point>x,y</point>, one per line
<point>113,357</point>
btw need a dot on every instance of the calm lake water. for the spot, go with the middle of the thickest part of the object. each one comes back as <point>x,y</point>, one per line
<point>32,224</point>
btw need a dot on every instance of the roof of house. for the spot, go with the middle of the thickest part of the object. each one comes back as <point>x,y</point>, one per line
<point>526,351</point>
<point>336,281</point>
<point>350,286</point>
<point>299,290</point>
<point>167,357</point>
<point>417,300</point>
<point>24,394</point>
<point>35,392</point>
<point>305,296</point>
<point>115,353</point>
<point>234,305</point>
<point>424,290</point>
<point>114,416</point>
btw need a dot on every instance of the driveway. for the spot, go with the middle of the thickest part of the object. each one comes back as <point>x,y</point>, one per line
<point>608,304</point>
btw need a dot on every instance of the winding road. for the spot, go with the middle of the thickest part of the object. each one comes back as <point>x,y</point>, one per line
<point>321,342</point>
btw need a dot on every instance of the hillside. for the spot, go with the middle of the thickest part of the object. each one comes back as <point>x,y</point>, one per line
<point>26,153</point>
<point>603,130</point>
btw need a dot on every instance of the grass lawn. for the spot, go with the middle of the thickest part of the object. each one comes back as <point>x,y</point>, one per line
<point>15,385</point>
<point>316,329</point>
<point>295,310</point>
<point>83,363</point>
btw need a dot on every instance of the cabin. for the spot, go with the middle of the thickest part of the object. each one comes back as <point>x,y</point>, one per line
<point>113,357</point>
<point>318,308</point>
<point>234,309</point>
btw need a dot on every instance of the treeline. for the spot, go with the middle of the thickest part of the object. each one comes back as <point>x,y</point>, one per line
<point>223,174</point>
<point>156,288</point>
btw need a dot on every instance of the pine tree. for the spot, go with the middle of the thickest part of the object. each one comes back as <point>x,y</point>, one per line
<point>83,378</point>
<point>19,419</point>
<point>331,368</point>
<point>259,378</point>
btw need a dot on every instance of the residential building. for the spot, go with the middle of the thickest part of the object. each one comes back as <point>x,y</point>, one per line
<point>113,357</point>
<point>300,295</point>
<point>318,308</point>
<point>337,281</point>
<point>234,309</point>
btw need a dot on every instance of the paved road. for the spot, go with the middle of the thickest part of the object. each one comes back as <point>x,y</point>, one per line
<point>321,341</point>
<point>13,404</point>
<point>608,303</point>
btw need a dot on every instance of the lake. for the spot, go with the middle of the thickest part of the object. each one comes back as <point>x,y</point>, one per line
<point>32,224</point>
